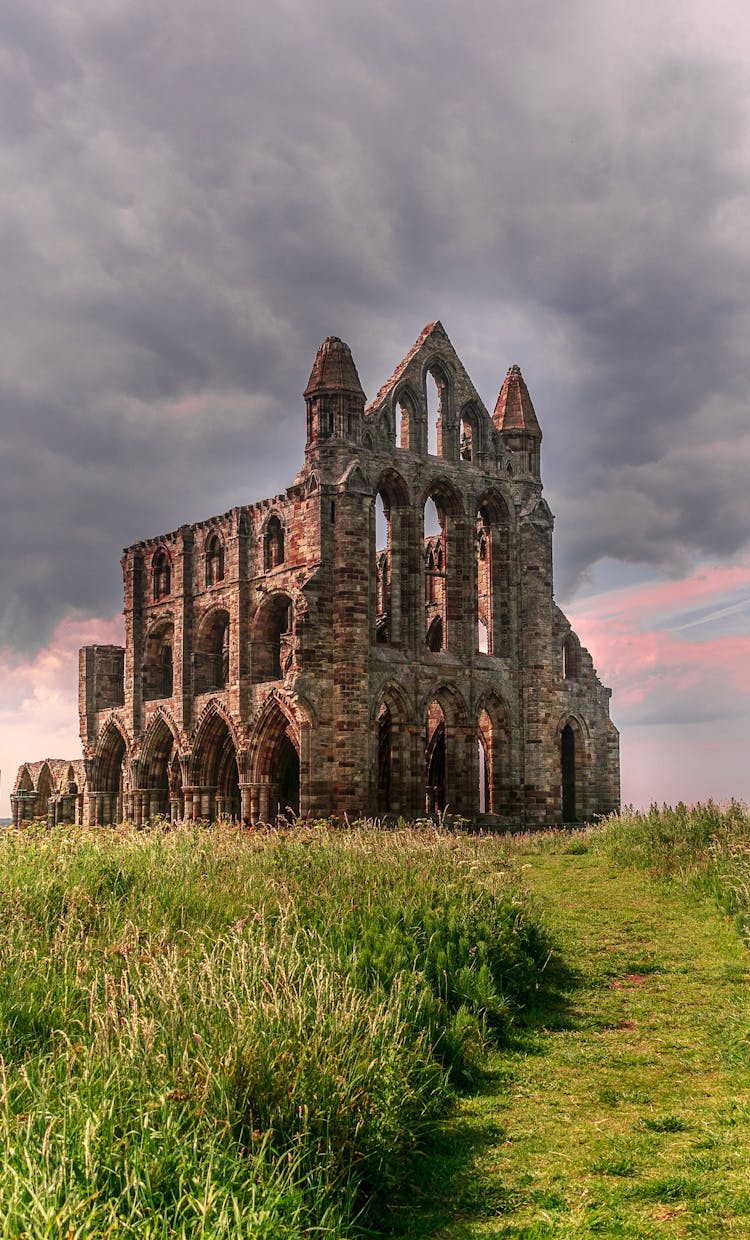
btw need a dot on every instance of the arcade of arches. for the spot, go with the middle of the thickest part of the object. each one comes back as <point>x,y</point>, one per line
<point>380,637</point>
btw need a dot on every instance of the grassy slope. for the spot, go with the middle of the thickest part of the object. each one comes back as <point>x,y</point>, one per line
<point>625,1112</point>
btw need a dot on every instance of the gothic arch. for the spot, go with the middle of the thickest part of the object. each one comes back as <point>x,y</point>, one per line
<point>354,477</point>
<point>408,419</point>
<point>161,573</point>
<point>24,780</point>
<point>492,575</point>
<point>442,491</point>
<point>277,761</point>
<point>274,539</point>
<point>391,485</point>
<point>161,742</point>
<point>472,430</point>
<point>215,763</point>
<point>389,555</point>
<point>391,734</point>
<point>212,650</point>
<point>445,719</point>
<point>272,638</point>
<point>45,787</point>
<point>157,671</point>
<point>494,753</point>
<point>214,708</point>
<point>571,657</point>
<point>572,746</point>
<point>435,368</point>
<point>214,556</point>
<point>111,765</point>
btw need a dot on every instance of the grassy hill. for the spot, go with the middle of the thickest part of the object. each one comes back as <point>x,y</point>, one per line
<point>410,1033</point>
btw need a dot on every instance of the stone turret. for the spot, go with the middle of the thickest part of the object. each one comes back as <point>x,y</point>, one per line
<point>516,420</point>
<point>334,396</point>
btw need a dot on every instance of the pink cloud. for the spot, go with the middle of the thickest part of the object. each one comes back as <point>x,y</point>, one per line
<point>709,581</point>
<point>683,705</point>
<point>39,710</point>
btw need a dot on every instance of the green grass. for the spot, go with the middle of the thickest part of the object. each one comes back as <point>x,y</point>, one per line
<point>623,1109</point>
<point>209,1034</point>
<point>352,1033</point>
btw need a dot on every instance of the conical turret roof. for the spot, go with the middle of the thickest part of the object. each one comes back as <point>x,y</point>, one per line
<point>333,369</point>
<point>514,410</point>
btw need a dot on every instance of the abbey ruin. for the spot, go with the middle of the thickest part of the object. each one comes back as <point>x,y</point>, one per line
<point>379,639</point>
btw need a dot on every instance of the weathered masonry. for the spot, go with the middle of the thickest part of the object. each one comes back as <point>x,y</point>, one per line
<point>380,638</point>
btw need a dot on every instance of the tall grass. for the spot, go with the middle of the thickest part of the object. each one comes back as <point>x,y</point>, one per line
<point>705,847</point>
<point>209,1034</point>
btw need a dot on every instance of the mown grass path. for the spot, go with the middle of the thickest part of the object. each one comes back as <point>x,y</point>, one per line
<point>625,1110</point>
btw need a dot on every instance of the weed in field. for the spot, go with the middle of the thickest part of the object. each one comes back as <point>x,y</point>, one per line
<point>209,1034</point>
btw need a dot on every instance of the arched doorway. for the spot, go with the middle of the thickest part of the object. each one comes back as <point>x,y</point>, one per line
<point>156,773</point>
<point>286,778</point>
<point>385,742</point>
<point>216,774</point>
<point>435,764</point>
<point>493,746</point>
<point>568,773</point>
<point>275,764</point>
<point>109,777</point>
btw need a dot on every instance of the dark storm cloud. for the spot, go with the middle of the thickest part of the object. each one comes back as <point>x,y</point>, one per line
<point>195,197</point>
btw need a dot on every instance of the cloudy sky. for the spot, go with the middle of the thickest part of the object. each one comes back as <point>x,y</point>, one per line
<point>195,194</point>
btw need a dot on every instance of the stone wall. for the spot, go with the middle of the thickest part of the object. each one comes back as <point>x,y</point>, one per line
<point>381,637</point>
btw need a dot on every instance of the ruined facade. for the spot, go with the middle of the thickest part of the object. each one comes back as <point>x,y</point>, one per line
<point>380,638</point>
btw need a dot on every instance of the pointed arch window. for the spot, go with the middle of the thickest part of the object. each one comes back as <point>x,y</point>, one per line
<point>274,543</point>
<point>214,560</point>
<point>158,672</point>
<point>162,574</point>
<point>273,646</point>
<point>570,657</point>
<point>435,576</point>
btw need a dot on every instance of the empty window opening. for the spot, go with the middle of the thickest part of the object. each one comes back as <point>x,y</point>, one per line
<point>273,647</point>
<point>211,659</point>
<point>433,523</point>
<point>274,549</point>
<point>434,575</point>
<point>485,740</point>
<point>484,777</point>
<point>467,440</point>
<point>384,759</point>
<point>483,581</point>
<point>215,763</point>
<point>167,671</point>
<point>568,772</point>
<point>157,673</point>
<point>430,570</point>
<point>214,560</point>
<point>434,416</point>
<point>404,425</point>
<point>162,574</point>
<point>285,778</point>
<point>325,419</point>
<point>383,569</point>
<point>382,525</point>
<point>570,658</point>
<point>435,760</point>
<point>435,635</point>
